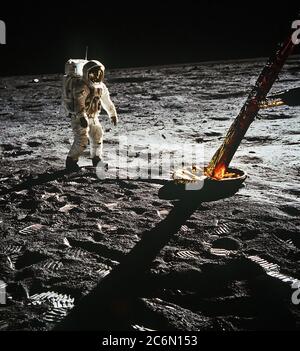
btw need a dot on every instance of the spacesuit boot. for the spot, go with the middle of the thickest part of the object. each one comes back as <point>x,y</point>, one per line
<point>71,165</point>
<point>96,160</point>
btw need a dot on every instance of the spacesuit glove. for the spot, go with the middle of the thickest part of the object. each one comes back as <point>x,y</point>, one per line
<point>114,120</point>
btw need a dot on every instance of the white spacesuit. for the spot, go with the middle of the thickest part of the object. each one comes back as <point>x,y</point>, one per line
<point>84,96</point>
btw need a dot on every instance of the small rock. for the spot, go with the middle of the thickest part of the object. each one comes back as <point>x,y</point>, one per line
<point>215,222</point>
<point>67,208</point>
<point>162,213</point>
<point>34,143</point>
<point>212,133</point>
<point>66,242</point>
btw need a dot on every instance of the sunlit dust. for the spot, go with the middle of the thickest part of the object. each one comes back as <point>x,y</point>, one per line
<point>195,174</point>
<point>269,104</point>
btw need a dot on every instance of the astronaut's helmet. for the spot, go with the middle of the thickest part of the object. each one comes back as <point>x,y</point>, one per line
<point>93,71</point>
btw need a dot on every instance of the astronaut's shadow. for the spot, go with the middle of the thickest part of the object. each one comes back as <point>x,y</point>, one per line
<point>36,179</point>
<point>114,303</point>
<point>57,174</point>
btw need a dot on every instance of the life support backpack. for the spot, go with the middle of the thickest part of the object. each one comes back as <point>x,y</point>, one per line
<point>79,68</point>
<point>73,71</point>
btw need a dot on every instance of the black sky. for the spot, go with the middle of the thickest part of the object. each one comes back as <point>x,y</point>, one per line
<point>40,38</point>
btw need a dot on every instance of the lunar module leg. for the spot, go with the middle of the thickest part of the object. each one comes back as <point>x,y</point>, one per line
<point>219,163</point>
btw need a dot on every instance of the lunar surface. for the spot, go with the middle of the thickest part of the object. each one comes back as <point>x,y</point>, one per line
<point>79,251</point>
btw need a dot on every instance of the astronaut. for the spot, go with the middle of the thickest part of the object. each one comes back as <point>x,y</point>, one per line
<point>84,97</point>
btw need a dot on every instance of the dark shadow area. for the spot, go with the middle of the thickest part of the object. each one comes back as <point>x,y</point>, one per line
<point>211,191</point>
<point>36,179</point>
<point>48,176</point>
<point>113,303</point>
